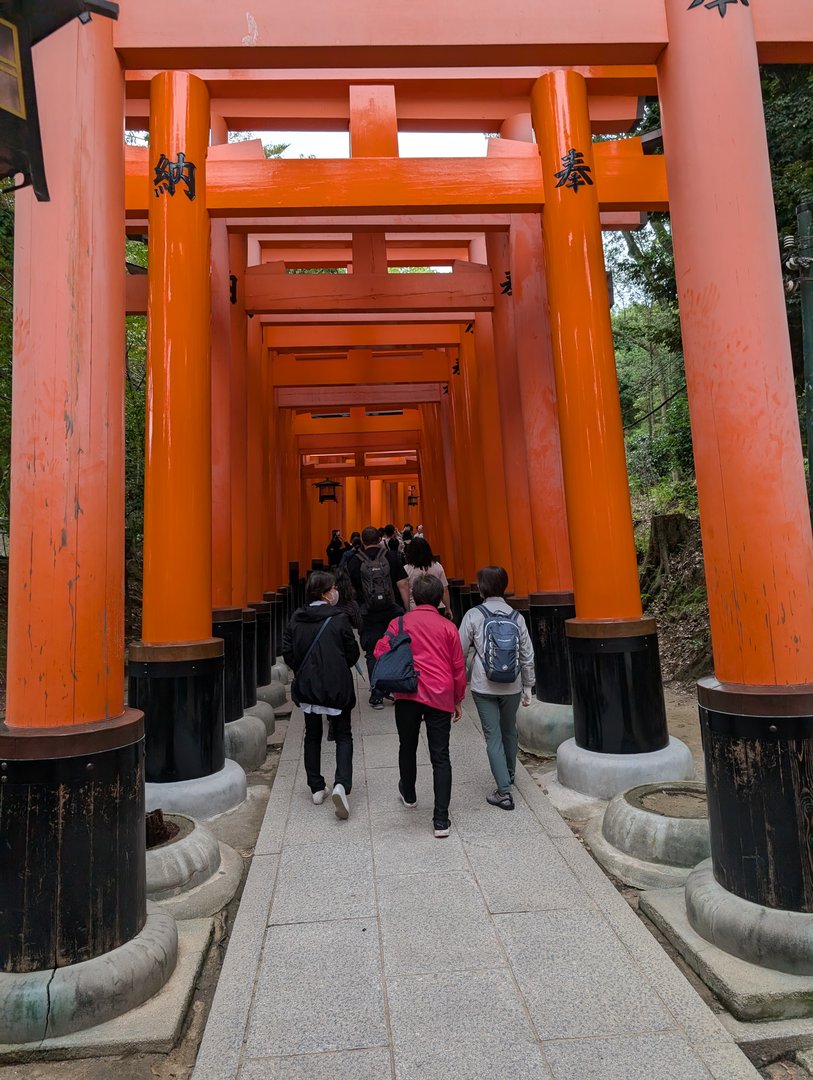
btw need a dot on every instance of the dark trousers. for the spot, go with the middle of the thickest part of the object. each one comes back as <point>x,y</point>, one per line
<point>369,637</point>
<point>344,750</point>
<point>408,717</point>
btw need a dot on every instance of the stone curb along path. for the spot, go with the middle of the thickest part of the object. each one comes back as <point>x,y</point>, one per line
<point>368,950</point>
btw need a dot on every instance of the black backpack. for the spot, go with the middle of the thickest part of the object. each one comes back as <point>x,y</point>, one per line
<point>376,582</point>
<point>394,671</point>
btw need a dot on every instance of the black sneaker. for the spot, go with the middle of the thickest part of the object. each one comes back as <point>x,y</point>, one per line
<point>441,829</point>
<point>376,703</point>
<point>408,805</point>
<point>503,799</point>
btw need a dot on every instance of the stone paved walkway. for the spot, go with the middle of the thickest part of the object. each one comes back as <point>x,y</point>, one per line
<point>369,950</point>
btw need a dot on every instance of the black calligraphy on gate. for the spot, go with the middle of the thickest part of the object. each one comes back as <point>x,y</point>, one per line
<point>720,5</point>
<point>170,175</point>
<point>575,173</point>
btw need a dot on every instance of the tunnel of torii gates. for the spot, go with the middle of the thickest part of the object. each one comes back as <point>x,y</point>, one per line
<point>490,391</point>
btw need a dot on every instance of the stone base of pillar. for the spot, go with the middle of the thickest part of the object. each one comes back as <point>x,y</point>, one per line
<point>266,713</point>
<point>273,694</point>
<point>203,798</point>
<point>246,741</point>
<point>179,688</point>
<point>45,1004</point>
<point>543,726</point>
<point>192,876</point>
<point>647,848</point>
<point>602,776</point>
<point>748,991</point>
<point>280,673</point>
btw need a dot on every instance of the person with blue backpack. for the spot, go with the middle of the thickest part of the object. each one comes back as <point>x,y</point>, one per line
<point>502,675</point>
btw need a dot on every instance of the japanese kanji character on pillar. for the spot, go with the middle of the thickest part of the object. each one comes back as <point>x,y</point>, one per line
<point>721,5</point>
<point>575,173</point>
<point>170,174</point>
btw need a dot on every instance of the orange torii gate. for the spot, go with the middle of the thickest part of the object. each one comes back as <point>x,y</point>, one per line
<point>67,735</point>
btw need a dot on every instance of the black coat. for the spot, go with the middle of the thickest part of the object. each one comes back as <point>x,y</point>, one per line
<point>325,679</point>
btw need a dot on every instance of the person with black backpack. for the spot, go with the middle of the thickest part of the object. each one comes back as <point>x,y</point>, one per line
<point>501,676</point>
<point>380,582</point>
<point>320,647</point>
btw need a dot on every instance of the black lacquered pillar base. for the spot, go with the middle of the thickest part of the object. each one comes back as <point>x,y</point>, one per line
<point>277,624</point>
<point>455,586</point>
<point>72,870</point>
<point>227,624</point>
<point>249,657</point>
<point>618,705</point>
<point>758,748</point>
<point>285,597</point>
<point>263,610</point>
<point>521,604</point>
<point>179,688</point>
<point>549,612</point>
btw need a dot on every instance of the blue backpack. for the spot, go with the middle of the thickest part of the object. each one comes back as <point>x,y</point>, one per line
<point>501,639</point>
<point>394,671</point>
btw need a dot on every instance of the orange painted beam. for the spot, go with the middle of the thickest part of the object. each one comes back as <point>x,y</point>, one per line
<point>439,83</point>
<point>626,179</point>
<point>152,33</point>
<point>360,337</point>
<point>393,395</point>
<point>388,472</point>
<point>338,442</point>
<point>305,424</point>
<point>467,105</point>
<point>336,256</point>
<point>432,366</point>
<point>269,292</point>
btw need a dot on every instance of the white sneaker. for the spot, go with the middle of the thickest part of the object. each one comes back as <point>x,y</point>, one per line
<point>319,796</point>
<point>340,802</point>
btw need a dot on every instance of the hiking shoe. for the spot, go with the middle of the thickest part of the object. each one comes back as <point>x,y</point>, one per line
<point>441,829</point>
<point>376,703</point>
<point>503,799</point>
<point>408,805</point>
<point>340,802</point>
<point>319,796</point>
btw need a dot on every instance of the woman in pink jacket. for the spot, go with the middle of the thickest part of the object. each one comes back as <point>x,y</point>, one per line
<point>441,689</point>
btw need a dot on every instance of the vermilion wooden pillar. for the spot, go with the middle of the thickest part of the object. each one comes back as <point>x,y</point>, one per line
<point>184,711</point>
<point>474,469</point>
<point>227,620</point>
<point>551,600</point>
<point>757,714</point>
<point>377,502</point>
<point>72,877</point>
<point>617,693</point>
<point>509,399</point>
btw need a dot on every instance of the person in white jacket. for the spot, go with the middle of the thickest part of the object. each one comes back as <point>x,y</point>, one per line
<point>497,702</point>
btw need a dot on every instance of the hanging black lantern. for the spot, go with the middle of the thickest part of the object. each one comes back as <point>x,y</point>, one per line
<point>327,490</point>
<point>22,24</point>
<point>412,498</point>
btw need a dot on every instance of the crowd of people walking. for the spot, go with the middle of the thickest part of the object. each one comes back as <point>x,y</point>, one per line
<point>390,589</point>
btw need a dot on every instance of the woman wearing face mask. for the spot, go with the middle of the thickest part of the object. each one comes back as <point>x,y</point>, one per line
<point>320,647</point>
